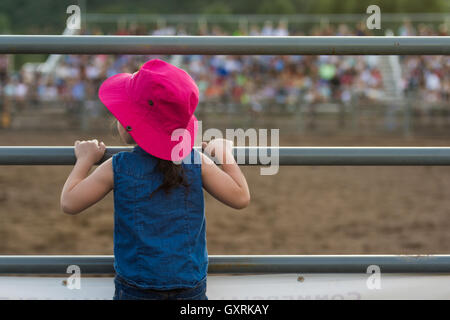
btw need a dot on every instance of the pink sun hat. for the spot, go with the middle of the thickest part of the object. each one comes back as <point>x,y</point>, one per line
<point>156,106</point>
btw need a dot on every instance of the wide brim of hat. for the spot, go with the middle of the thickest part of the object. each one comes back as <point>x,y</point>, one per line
<point>146,128</point>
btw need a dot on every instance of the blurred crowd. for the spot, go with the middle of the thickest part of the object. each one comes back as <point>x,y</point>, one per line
<point>258,83</point>
<point>427,77</point>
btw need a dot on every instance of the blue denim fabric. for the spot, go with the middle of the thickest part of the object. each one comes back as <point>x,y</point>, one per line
<point>126,291</point>
<point>159,242</point>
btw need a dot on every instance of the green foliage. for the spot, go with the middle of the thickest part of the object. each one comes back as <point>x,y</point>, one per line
<point>4,24</point>
<point>387,6</point>
<point>277,7</point>
<point>217,8</point>
<point>49,16</point>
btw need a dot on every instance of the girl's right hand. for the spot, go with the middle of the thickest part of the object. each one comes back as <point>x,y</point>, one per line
<point>221,149</point>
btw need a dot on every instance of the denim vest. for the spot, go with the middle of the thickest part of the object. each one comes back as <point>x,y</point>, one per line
<point>159,242</point>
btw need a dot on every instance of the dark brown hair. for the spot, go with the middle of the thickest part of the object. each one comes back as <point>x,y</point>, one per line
<point>174,176</point>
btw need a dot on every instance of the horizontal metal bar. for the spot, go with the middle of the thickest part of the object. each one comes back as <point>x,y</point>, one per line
<point>317,156</point>
<point>229,45</point>
<point>240,264</point>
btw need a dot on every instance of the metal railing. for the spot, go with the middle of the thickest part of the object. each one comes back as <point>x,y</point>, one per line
<point>285,156</point>
<point>225,45</point>
<point>242,264</point>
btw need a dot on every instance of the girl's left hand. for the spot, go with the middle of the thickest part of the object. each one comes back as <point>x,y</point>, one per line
<point>221,149</point>
<point>90,150</point>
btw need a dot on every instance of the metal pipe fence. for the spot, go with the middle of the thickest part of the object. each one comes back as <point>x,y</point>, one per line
<point>224,45</point>
<point>26,44</point>
<point>285,156</point>
<point>241,264</point>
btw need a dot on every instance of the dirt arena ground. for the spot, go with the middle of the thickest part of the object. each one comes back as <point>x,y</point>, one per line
<point>301,210</point>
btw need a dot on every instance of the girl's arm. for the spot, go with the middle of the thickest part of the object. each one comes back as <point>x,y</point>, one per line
<point>228,185</point>
<point>80,190</point>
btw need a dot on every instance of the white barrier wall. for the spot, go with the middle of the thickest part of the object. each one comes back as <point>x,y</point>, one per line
<point>250,287</point>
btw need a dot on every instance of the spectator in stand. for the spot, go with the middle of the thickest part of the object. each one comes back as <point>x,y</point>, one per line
<point>267,30</point>
<point>257,82</point>
<point>282,29</point>
<point>406,29</point>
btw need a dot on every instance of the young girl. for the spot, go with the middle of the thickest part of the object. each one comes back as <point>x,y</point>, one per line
<point>159,220</point>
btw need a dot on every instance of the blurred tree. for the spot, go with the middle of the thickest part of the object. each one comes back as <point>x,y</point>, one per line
<point>4,24</point>
<point>277,7</point>
<point>50,15</point>
<point>24,14</point>
<point>217,8</point>
<point>387,6</point>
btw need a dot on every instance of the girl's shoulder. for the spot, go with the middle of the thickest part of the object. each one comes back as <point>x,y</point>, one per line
<point>119,156</point>
<point>117,160</point>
